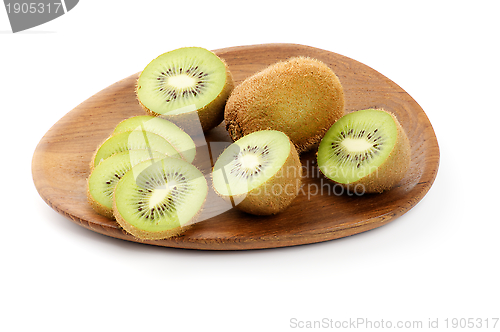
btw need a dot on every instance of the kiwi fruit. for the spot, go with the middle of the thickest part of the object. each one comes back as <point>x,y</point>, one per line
<point>260,173</point>
<point>181,141</point>
<point>104,177</point>
<point>301,97</point>
<point>158,200</point>
<point>366,151</point>
<point>132,140</point>
<point>183,82</point>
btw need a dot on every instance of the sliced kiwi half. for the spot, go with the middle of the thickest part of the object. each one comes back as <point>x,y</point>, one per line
<point>104,177</point>
<point>133,140</point>
<point>159,200</point>
<point>179,139</point>
<point>366,150</point>
<point>260,173</point>
<point>183,82</point>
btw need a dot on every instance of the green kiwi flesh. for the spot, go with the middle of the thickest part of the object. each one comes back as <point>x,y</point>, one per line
<point>159,200</point>
<point>104,177</point>
<point>185,81</point>
<point>366,148</point>
<point>260,173</point>
<point>301,97</point>
<point>133,140</point>
<point>181,141</point>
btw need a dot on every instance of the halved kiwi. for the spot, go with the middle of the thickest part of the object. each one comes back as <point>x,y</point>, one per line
<point>133,140</point>
<point>367,151</point>
<point>181,141</point>
<point>183,82</point>
<point>104,177</point>
<point>159,200</point>
<point>260,173</point>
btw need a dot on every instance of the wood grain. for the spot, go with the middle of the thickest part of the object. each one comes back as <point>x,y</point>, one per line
<point>319,213</point>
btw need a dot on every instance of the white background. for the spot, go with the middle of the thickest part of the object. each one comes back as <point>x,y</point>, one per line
<point>438,261</point>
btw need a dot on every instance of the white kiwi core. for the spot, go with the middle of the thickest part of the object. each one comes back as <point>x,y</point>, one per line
<point>157,196</point>
<point>356,144</point>
<point>250,162</point>
<point>181,81</point>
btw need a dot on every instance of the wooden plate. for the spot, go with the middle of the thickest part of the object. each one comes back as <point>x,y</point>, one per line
<point>321,212</point>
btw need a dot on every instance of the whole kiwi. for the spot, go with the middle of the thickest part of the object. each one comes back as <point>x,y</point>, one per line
<point>301,97</point>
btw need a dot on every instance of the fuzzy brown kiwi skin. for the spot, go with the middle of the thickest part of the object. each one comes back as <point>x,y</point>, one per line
<point>98,207</point>
<point>392,171</point>
<point>253,102</point>
<point>261,201</point>
<point>92,160</point>
<point>145,235</point>
<point>210,116</point>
